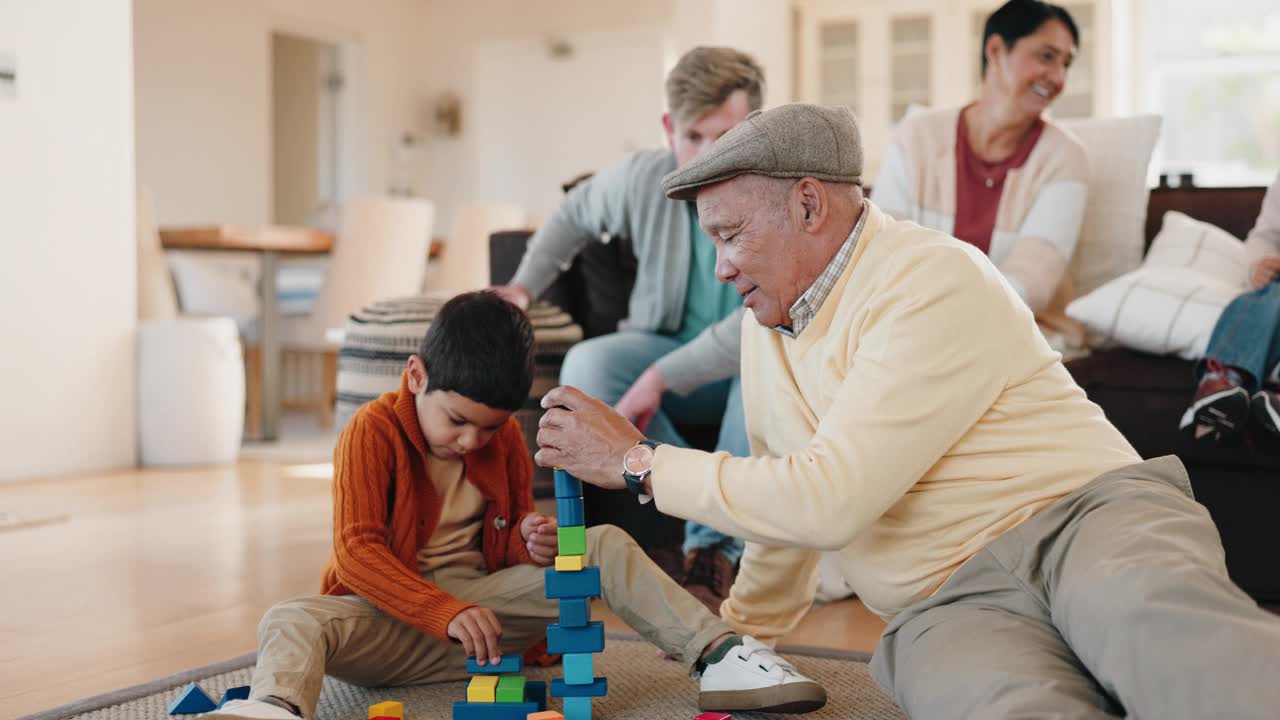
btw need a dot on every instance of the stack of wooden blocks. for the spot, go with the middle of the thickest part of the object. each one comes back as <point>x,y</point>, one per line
<point>574,583</point>
<point>494,693</point>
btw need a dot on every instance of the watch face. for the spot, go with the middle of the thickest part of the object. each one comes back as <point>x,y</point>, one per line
<point>638,459</point>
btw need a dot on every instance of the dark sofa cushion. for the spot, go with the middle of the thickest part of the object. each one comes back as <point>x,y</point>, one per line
<point>1237,480</point>
<point>596,289</point>
<point>1145,396</point>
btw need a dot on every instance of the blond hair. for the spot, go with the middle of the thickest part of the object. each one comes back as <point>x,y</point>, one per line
<point>705,77</point>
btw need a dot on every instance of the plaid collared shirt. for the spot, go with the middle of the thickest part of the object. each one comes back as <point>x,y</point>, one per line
<point>806,306</point>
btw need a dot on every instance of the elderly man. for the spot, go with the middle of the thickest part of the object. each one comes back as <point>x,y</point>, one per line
<point>903,408</point>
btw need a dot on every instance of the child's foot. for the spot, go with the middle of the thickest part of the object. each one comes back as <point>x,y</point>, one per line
<point>1266,409</point>
<point>745,674</point>
<point>1220,405</point>
<point>251,710</point>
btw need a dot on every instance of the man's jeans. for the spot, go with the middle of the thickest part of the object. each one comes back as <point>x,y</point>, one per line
<point>606,366</point>
<point>1247,335</point>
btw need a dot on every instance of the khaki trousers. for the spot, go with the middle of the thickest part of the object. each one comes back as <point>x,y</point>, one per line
<point>299,641</point>
<point>1113,602</point>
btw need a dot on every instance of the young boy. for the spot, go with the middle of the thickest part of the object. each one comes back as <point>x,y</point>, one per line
<point>438,554</point>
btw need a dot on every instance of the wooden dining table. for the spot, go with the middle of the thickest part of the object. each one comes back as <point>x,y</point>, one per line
<point>269,243</point>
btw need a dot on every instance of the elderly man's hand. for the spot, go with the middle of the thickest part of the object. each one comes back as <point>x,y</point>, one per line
<point>585,437</point>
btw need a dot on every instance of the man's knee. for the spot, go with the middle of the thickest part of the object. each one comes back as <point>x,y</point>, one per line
<point>604,366</point>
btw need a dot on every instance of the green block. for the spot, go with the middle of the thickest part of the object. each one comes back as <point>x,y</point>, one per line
<point>573,540</point>
<point>511,689</point>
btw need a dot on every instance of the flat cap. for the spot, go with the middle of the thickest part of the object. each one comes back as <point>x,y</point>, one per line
<point>789,141</point>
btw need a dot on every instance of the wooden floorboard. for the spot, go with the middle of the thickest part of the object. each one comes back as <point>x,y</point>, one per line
<point>159,571</point>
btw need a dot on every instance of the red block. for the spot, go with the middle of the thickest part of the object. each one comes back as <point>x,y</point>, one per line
<point>713,716</point>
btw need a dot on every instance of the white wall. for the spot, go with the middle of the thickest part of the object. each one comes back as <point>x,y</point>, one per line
<point>203,95</point>
<point>762,28</point>
<point>461,46</point>
<point>613,114</point>
<point>68,283</point>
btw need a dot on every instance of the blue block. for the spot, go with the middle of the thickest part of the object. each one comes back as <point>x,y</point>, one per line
<point>599,687</point>
<point>577,708</point>
<point>535,691</point>
<point>191,699</point>
<point>579,669</point>
<point>563,640</point>
<point>567,486</point>
<point>493,711</point>
<point>582,584</point>
<point>235,693</point>
<point>569,511</point>
<point>510,664</point>
<point>575,612</point>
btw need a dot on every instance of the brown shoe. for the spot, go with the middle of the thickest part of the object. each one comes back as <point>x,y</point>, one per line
<point>708,575</point>
<point>671,560</point>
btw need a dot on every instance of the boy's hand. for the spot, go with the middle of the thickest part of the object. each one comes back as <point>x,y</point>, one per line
<point>540,537</point>
<point>479,631</point>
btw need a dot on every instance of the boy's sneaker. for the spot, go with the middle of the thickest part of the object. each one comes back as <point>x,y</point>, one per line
<point>250,710</point>
<point>748,675</point>
<point>1220,405</point>
<point>1266,409</point>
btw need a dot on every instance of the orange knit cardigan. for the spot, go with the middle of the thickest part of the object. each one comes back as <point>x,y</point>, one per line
<point>385,508</point>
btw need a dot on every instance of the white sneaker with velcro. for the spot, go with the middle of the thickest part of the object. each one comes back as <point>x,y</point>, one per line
<point>751,676</point>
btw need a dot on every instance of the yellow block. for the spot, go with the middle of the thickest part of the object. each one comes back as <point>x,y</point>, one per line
<point>390,708</point>
<point>570,563</point>
<point>483,688</point>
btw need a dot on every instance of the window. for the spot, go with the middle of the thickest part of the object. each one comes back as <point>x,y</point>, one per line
<point>910,58</point>
<point>1212,70</point>
<point>838,68</point>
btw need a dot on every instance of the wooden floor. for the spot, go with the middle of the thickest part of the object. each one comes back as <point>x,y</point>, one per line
<point>158,571</point>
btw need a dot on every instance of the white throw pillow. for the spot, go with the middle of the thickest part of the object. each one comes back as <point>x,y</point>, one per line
<point>1189,243</point>
<point>1119,152</point>
<point>1171,303</point>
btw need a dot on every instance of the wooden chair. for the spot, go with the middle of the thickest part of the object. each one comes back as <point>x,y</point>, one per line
<point>381,252</point>
<point>464,262</point>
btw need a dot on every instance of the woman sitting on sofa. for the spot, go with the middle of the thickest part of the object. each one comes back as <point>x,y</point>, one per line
<point>1241,368</point>
<point>996,173</point>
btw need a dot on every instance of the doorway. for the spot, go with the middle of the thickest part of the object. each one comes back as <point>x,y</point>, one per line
<point>310,89</point>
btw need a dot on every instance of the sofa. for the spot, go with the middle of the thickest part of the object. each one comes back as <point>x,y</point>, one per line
<point>1143,395</point>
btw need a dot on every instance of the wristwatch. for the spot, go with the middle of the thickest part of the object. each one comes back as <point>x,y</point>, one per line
<point>636,465</point>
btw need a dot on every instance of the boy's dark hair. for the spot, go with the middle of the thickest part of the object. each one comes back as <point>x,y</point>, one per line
<point>481,347</point>
<point>1017,19</point>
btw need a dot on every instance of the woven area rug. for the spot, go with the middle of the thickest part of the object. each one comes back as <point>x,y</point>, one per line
<point>641,685</point>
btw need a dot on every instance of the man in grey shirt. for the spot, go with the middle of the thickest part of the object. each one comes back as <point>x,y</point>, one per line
<point>674,358</point>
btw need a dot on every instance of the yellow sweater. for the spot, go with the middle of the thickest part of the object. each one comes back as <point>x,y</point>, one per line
<point>919,416</point>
